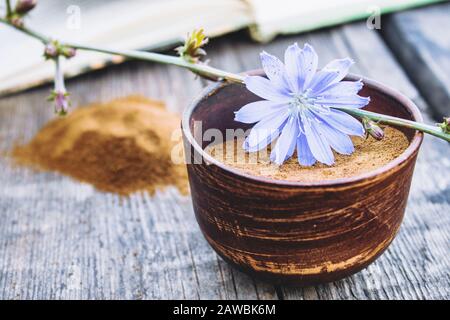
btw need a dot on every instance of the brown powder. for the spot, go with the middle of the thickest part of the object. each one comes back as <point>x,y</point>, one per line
<point>369,154</point>
<point>122,146</point>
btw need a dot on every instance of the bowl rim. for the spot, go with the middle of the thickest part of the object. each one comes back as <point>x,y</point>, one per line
<point>407,154</point>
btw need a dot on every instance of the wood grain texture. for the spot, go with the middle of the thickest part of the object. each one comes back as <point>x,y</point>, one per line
<point>61,239</point>
<point>419,38</point>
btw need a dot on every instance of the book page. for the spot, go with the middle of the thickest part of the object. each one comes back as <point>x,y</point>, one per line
<point>118,24</point>
<point>293,16</point>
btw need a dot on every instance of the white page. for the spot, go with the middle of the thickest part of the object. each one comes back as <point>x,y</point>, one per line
<point>293,16</point>
<point>118,24</point>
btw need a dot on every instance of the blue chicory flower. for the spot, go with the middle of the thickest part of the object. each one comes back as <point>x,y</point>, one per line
<point>298,107</point>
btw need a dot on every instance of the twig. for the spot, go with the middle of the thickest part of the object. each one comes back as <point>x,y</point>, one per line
<point>217,74</point>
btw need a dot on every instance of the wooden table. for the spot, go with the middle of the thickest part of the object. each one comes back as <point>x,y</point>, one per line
<point>61,239</point>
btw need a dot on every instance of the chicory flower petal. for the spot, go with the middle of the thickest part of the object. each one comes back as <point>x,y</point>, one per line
<point>265,89</point>
<point>299,107</point>
<point>256,111</point>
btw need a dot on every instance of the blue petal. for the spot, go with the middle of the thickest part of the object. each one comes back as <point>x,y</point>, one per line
<point>321,80</point>
<point>265,89</point>
<point>318,144</point>
<point>301,65</point>
<point>343,88</point>
<point>265,131</point>
<point>292,146</point>
<point>351,101</point>
<point>264,140</point>
<point>305,157</point>
<point>256,111</point>
<point>285,145</point>
<point>275,71</point>
<point>294,67</point>
<point>338,141</point>
<point>310,61</point>
<point>338,69</point>
<point>342,122</point>
<point>340,65</point>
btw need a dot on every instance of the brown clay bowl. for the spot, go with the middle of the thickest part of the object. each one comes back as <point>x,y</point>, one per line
<point>294,232</point>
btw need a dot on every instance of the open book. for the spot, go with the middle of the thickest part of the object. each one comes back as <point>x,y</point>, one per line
<point>161,24</point>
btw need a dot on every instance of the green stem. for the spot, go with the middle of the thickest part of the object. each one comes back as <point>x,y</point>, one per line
<point>217,74</point>
<point>433,130</point>
<point>201,69</point>
<point>44,39</point>
<point>8,8</point>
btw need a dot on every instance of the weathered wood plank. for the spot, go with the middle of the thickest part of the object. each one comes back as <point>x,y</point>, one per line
<point>61,239</point>
<point>421,42</point>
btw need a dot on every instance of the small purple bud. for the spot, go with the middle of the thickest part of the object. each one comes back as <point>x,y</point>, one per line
<point>16,20</point>
<point>68,52</point>
<point>61,103</point>
<point>372,129</point>
<point>445,125</point>
<point>51,50</point>
<point>59,95</point>
<point>25,6</point>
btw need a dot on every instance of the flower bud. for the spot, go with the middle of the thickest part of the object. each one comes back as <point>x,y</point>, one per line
<point>445,125</point>
<point>59,95</point>
<point>61,103</point>
<point>68,52</point>
<point>372,129</point>
<point>16,20</point>
<point>192,50</point>
<point>51,50</point>
<point>24,6</point>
